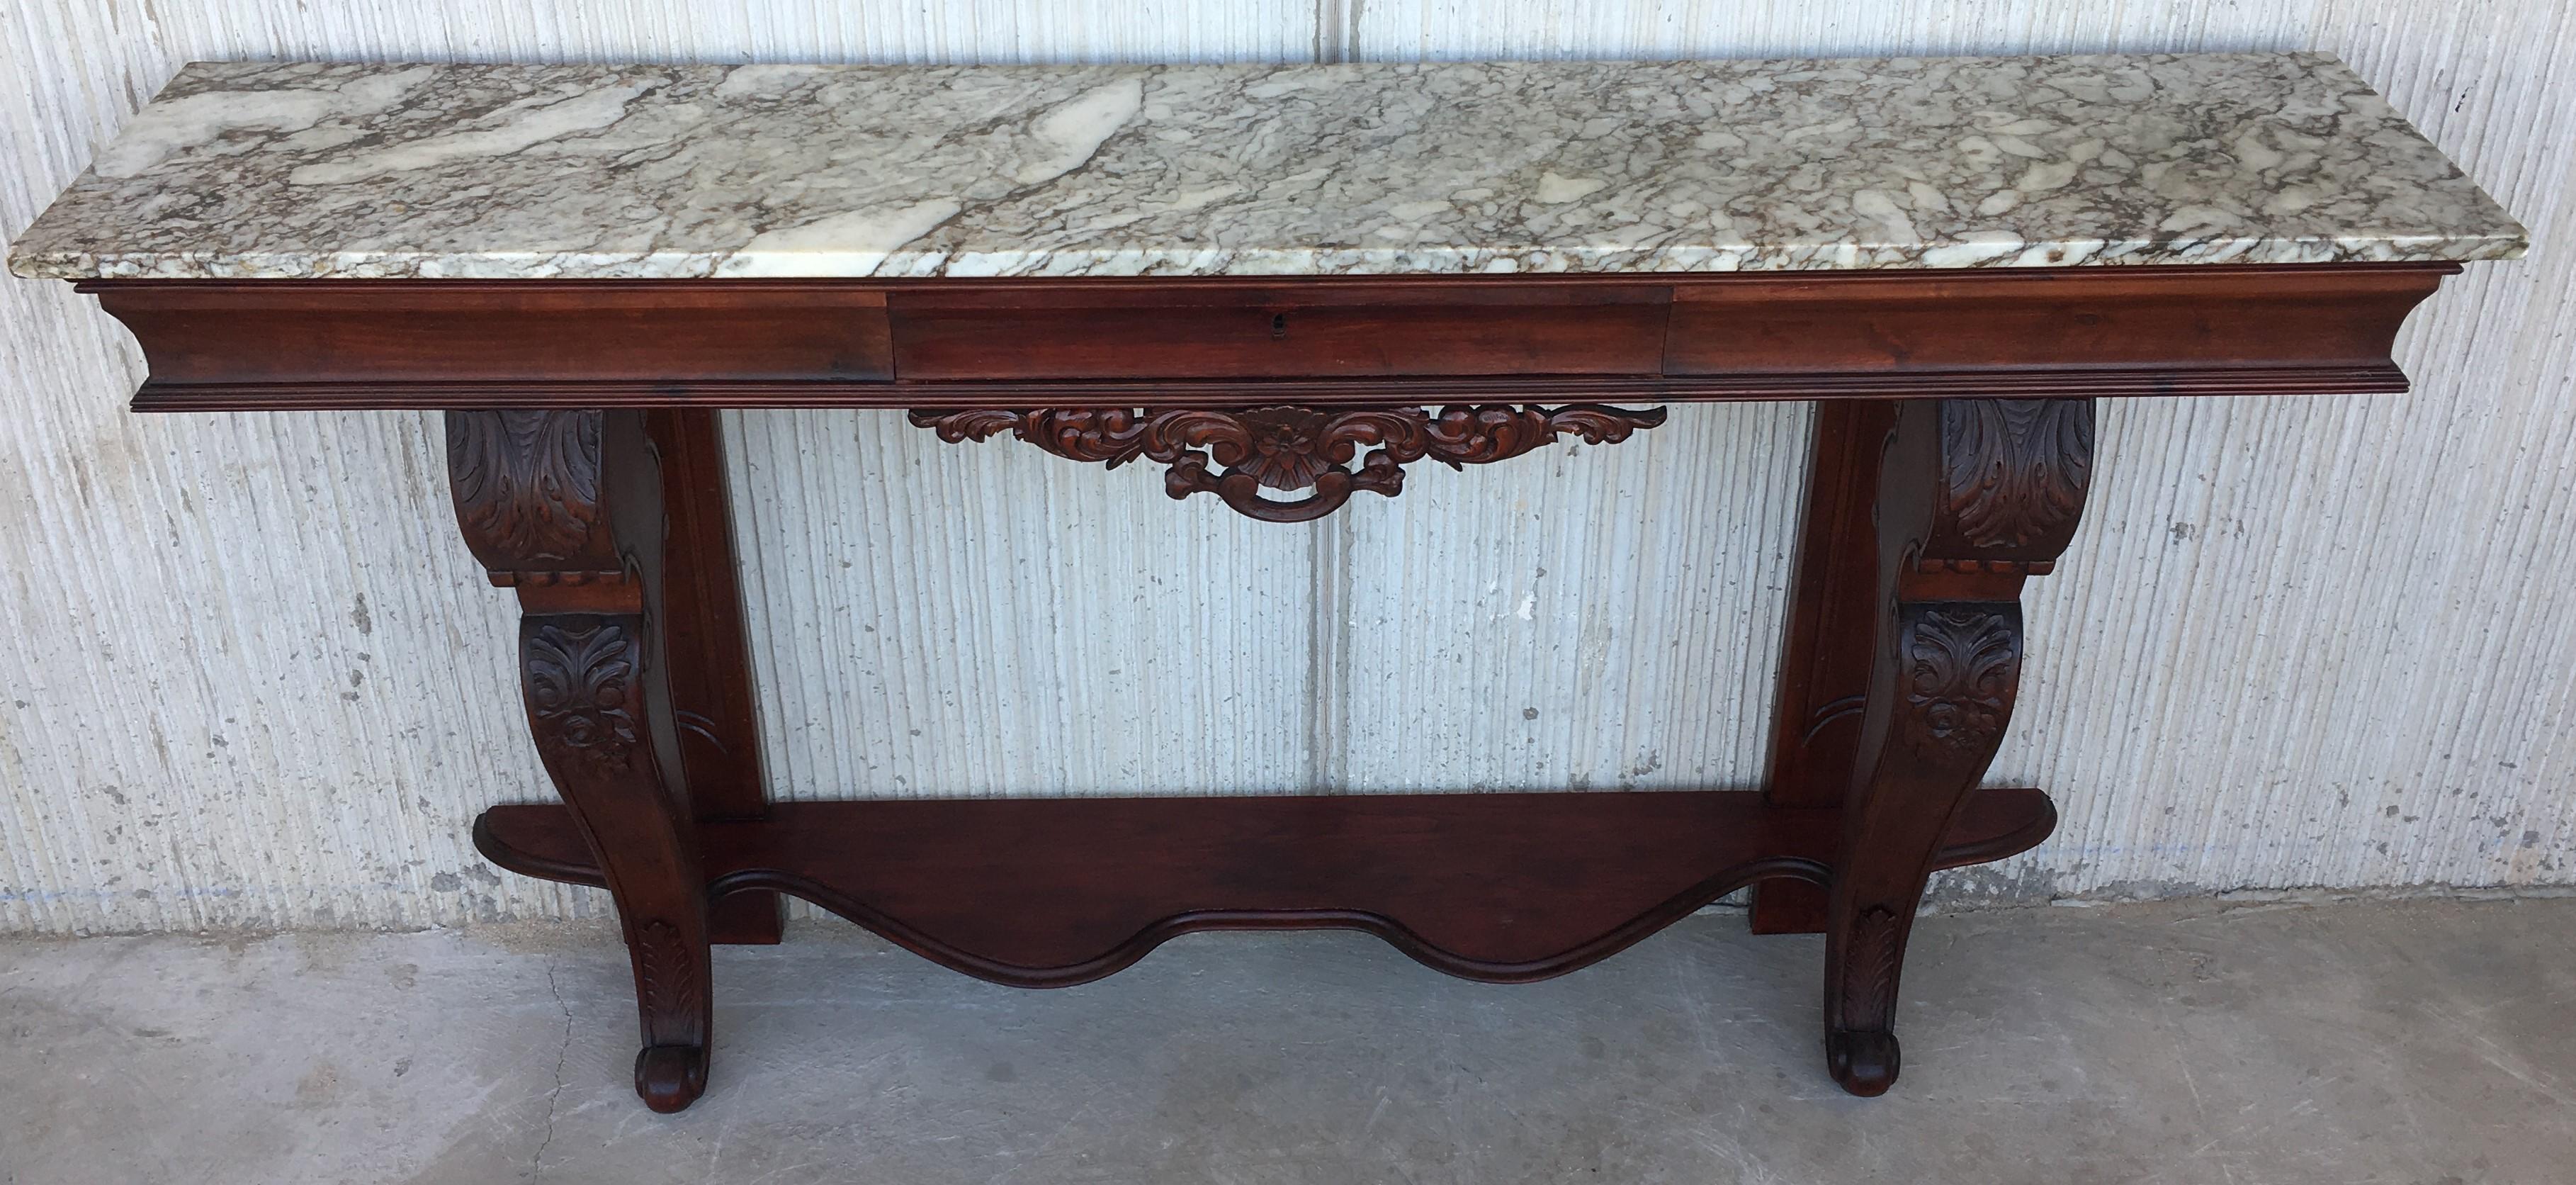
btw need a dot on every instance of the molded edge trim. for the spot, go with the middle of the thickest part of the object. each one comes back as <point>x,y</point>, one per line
<point>2035,383</point>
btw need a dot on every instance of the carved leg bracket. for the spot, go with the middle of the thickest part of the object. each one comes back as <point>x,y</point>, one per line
<point>1973,496</point>
<point>591,705</point>
<point>1292,448</point>
<point>567,507</point>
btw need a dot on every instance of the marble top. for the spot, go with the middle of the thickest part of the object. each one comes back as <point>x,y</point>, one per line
<point>303,170</point>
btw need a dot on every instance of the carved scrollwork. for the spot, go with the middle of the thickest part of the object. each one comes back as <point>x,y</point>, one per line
<point>2014,473</point>
<point>1962,663</point>
<point>1497,432</point>
<point>581,689</point>
<point>980,424</point>
<point>526,484</point>
<point>1290,448</point>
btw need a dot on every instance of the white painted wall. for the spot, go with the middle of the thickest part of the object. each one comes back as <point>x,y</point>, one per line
<point>253,679</point>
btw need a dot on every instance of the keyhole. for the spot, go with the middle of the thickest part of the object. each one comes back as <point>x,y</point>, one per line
<point>1279,325</point>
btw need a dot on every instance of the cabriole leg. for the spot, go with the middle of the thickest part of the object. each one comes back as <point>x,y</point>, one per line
<point>566,507</point>
<point>1974,496</point>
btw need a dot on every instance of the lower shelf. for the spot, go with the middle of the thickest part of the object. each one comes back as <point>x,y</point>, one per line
<point>1051,892</point>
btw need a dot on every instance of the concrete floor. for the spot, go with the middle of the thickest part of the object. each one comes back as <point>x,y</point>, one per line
<point>2415,1043</point>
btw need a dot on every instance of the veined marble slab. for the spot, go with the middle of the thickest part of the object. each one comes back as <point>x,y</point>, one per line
<point>307,170</point>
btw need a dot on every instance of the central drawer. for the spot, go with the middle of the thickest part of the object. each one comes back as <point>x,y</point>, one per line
<point>1100,331</point>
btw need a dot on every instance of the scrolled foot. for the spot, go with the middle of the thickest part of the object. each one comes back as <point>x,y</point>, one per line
<point>670,1077</point>
<point>1863,1061</point>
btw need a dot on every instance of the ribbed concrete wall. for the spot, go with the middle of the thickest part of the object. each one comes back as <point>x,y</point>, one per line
<point>254,680</point>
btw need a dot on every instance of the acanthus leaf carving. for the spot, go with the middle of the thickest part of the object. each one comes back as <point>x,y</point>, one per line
<point>1962,663</point>
<point>2014,473</point>
<point>1111,435</point>
<point>1291,447</point>
<point>526,484</point>
<point>1481,435</point>
<point>666,980</point>
<point>581,689</point>
<point>957,427</point>
<point>1873,952</point>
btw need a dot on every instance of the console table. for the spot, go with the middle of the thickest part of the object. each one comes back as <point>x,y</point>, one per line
<point>1284,285</point>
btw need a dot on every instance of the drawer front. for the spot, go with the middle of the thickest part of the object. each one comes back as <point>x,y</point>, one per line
<point>1271,333</point>
<point>457,331</point>
<point>2101,317</point>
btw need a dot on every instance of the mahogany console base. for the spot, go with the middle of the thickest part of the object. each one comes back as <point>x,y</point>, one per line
<point>1504,888</point>
<point>1952,456</point>
<point>1904,657</point>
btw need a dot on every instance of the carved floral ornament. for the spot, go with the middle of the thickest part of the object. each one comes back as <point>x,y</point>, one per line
<point>580,687</point>
<point>1290,448</point>
<point>1962,662</point>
